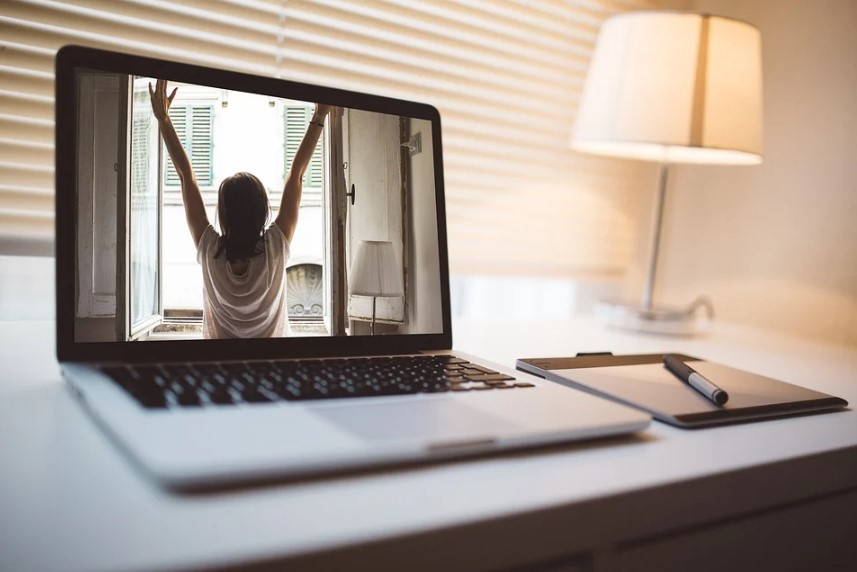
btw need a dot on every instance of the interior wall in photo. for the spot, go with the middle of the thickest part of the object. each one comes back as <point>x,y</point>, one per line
<point>98,148</point>
<point>424,304</point>
<point>394,201</point>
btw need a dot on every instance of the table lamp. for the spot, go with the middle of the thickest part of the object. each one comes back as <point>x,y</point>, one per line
<point>376,273</point>
<point>671,87</point>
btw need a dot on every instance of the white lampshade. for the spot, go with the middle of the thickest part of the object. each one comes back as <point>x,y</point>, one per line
<point>376,271</point>
<point>674,87</point>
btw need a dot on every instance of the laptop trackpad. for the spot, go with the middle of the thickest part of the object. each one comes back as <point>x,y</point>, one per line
<point>429,419</point>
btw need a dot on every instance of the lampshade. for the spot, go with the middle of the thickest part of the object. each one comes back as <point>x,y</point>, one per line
<point>674,87</point>
<point>376,272</point>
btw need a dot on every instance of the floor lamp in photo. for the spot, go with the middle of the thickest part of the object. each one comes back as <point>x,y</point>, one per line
<point>671,87</point>
<point>376,273</point>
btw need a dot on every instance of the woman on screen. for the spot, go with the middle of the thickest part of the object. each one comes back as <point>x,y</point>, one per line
<point>244,268</point>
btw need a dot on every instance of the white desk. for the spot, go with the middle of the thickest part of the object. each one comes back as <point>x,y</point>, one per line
<point>773,494</point>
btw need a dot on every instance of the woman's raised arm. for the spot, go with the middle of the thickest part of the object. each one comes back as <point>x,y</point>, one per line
<point>287,218</point>
<point>194,207</point>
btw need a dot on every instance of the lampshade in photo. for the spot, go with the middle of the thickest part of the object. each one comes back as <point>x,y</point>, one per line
<point>376,270</point>
<point>671,87</point>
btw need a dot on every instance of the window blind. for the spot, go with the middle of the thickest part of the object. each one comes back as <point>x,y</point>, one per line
<point>506,77</point>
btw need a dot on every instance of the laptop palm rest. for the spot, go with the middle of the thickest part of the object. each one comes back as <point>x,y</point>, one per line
<point>428,420</point>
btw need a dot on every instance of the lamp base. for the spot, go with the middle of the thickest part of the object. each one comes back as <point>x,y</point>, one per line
<point>656,319</point>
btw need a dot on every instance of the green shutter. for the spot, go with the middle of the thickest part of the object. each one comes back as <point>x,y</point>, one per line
<point>193,125</point>
<point>201,144</point>
<point>297,119</point>
<point>178,117</point>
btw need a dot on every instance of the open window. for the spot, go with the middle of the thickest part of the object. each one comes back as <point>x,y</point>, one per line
<point>165,288</point>
<point>307,303</point>
<point>140,245</point>
<point>138,275</point>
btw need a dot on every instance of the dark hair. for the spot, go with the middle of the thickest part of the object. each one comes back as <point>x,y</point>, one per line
<point>243,212</point>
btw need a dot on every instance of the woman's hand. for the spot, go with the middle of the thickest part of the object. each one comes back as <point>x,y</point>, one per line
<point>160,101</point>
<point>321,111</point>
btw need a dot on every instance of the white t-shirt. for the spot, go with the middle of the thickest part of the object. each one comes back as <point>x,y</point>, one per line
<point>252,305</point>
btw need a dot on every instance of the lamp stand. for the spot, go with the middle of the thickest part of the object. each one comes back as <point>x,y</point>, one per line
<point>372,325</point>
<point>648,317</point>
<point>649,291</point>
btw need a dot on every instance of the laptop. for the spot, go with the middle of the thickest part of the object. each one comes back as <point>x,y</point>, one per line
<point>358,378</point>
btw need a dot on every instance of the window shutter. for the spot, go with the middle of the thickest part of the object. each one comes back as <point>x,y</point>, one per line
<point>178,117</point>
<point>193,124</point>
<point>506,77</point>
<point>201,143</point>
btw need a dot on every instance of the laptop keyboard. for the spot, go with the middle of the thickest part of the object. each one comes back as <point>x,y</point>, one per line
<point>171,385</point>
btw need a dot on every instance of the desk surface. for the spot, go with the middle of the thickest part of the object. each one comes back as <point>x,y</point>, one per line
<point>70,500</point>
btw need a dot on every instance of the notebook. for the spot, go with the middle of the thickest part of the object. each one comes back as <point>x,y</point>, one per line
<point>349,283</point>
<point>642,381</point>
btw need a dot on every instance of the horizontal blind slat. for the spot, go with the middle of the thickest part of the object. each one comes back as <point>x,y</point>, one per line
<point>406,61</point>
<point>388,37</point>
<point>55,35</point>
<point>26,175</point>
<point>21,104</point>
<point>27,198</point>
<point>38,223</point>
<point>27,57</point>
<point>520,16</point>
<point>24,151</point>
<point>466,40</point>
<point>480,29</point>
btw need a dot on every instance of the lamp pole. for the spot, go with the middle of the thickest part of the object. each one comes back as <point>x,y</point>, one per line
<point>372,327</point>
<point>648,293</point>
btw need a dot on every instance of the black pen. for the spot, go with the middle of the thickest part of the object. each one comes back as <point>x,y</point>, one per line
<point>693,378</point>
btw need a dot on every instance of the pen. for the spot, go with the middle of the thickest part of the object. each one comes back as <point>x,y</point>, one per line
<point>693,378</point>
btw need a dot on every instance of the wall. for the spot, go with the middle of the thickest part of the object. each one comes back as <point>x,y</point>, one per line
<point>372,153</point>
<point>775,246</point>
<point>98,145</point>
<point>424,305</point>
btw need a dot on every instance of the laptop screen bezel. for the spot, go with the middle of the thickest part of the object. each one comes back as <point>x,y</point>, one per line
<point>70,58</point>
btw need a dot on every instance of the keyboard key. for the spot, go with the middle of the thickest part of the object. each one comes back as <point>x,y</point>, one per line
<point>486,377</point>
<point>188,399</point>
<point>253,395</point>
<point>470,371</point>
<point>480,368</point>
<point>451,359</point>
<point>220,397</point>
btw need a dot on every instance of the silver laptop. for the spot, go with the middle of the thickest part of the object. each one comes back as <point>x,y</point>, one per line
<point>362,373</point>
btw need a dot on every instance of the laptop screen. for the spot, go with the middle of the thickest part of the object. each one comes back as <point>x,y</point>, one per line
<point>210,205</point>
